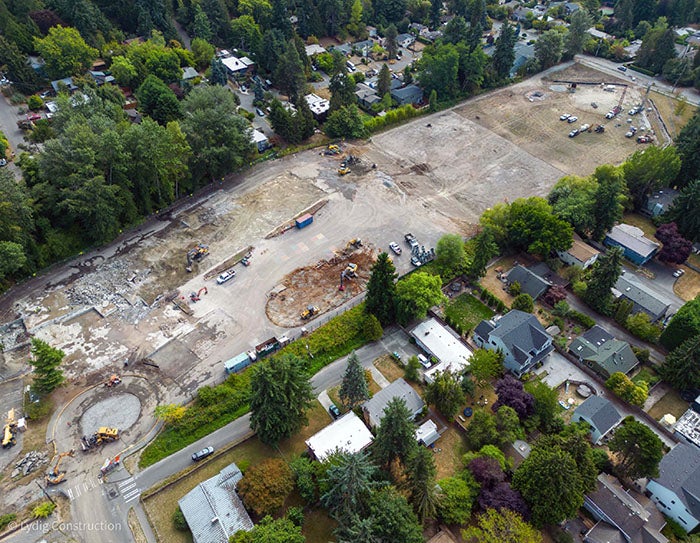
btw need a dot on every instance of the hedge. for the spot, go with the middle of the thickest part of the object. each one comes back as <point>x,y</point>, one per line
<point>394,116</point>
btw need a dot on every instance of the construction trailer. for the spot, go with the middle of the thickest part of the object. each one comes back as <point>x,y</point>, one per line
<point>239,362</point>
<point>304,220</point>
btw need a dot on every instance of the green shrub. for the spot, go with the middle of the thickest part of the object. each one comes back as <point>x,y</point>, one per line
<point>35,102</point>
<point>43,510</point>
<point>641,354</point>
<point>37,410</point>
<point>581,318</point>
<point>296,515</point>
<point>179,521</point>
<point>392,117</point>
<point>6,519</point>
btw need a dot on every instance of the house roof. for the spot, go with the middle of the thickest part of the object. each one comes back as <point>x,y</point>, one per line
<point>582,251</point>
<point>661,199</point>
<point>213,510</point>
<point>233,64</point>
<point>348,434</point>
<point>599,346</point>
<point>362,44</point>
<point>317,105</point>
<point>405,37</point>
<point>636,293</point>
<point>688,426</point>
<point>679,471</point>
<point>67,81</point>
<point>409,91</point>
<point>256,137</point>
<point>314,49</point>
<point>448,348</point>
<point>427,433</point>
<point>522,333</point>
<point>367,95</point>
<point>600,412</point>
<point>530,282</point>
<point>633,239</point>
<point>626,520</point>
<point>189,72</point>
<point>344,48</point>
<point>375,406</point>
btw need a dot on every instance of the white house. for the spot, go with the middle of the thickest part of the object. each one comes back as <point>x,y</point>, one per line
<point>318,106</point>
<point>236,66</point>
<point>676,491</point>
<point>439,341</point>
<point>348,434</point>
<point>579,254</point>
<point>405,40</point>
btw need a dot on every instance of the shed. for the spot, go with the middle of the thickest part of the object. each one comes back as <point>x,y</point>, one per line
<point>427,433</point>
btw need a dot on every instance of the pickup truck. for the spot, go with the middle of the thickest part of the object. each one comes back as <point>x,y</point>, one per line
<point>411,240</point>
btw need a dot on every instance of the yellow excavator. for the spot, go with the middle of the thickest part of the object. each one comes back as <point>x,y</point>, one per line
<point>343,170</point>
<point>57,476</point>
<point>9,432</point>
<point>309,312</point>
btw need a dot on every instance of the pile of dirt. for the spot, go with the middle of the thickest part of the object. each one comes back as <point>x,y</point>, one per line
<point>318,286</point>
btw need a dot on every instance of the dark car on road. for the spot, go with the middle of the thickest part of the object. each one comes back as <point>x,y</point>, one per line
<point>202,454</point>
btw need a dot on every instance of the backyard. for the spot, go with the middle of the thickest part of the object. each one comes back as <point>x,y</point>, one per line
<point>465,312</point>
<point>671,403</point>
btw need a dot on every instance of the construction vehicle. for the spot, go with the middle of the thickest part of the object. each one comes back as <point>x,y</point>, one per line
<point>350,272</point>
<point>343,170</point>
<point>113,380</point>
<point>9,433</point>
<point>332,150</point>
<point>196,254</point>
<point>355,242</point>
<point>102,436</point>
<point>309,312</point>
<point>271,345</point>
<point>196,296</point>
<point>109,465</point>
<point>599,129</point>
<point>57,476</point>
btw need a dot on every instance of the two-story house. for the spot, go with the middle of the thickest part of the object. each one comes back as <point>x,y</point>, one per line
<point>519,336</point>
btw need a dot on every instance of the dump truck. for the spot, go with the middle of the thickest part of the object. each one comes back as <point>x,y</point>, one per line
<point>103,435</point>
<point>304,220</point>
<point>239,362</point>
<point>9,432</point>
<point>271,345</point>
<point>309,312</point>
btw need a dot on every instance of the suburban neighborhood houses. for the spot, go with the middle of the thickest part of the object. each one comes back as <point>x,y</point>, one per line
<point>350,271</point>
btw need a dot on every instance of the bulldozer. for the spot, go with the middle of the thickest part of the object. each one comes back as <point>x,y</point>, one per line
<point>102,436</point>
<point>9,432</point>
<point>196,254</point>
<point>113,381</point>
<point>57,476</point>
<point>309,312</point>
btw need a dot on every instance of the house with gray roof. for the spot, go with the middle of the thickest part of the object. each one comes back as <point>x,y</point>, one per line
<point>642,300</point>
<point>659,202</point>
<point>410,94</point>
<point>600,414</point>
<point>676,491</point>
<point>637,248</point>
<point>599,350</point>
<point>519,336</point>
<point>405,40</point>
<point>373,408</point>
<point>620,516</point>
<point>530,282</point>
<point>579,254</point>
<point>213,510</point>
<point>366,96</point>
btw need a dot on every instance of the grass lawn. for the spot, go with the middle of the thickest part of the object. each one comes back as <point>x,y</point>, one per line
<point>388,367</point>
<point>687,286</point>
<point>646,374</point>
<point>671,403</point>
<point>161,506</point>
<point>667,110</point>
<point>467,311</point>
<point>448,452</point>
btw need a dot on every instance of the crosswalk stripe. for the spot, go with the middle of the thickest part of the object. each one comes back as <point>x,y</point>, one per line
<point>127,487</point>
<point>131,493</point>
<point>126,482</point>
<point>134,497</point>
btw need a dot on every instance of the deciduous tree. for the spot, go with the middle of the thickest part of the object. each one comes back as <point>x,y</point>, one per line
<point>269,530</point>
<point>416,294</point>
<point>482,430</point>
<point>450,255</point>
<point>265,486</point>
<point>637,448</point>
<point>511,393</point>
<point>549,48</point>
<point>456,498</point>
<point>345,123</point>
<point>523,302</point>
<point>573,198</point>
<point>393,518</point>
<point>649,170</point>
<point>609,198</point>
<point>445,393</point>
<point>545,415</point>
<point>65,52</point>
<point>684,325</point>
<point>280,395</point>
<point>486,364</point>
<point>578,33</point>
<point>676,249</point>
<point>501,526</point>
<point>46,361</point>
<point>158,101</point>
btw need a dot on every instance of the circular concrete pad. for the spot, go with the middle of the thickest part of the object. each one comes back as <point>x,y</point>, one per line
<point>120,412</point>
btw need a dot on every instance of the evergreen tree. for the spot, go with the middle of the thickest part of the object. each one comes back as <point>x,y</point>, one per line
<point>304,119</point>
<point>391,45</point>
<point>349,483</point>
<point>384,80</point>
<point>435,9</point>
<point>484,248</point>
<point>504,54</point>
<point>420,483</point>
<point>381,290</point>
<point>289,72</point>
<point>637,448</point>
<point>309,23</point>
<point>578,33</point>
<point>201,28</point>
<point>342,90</point>
<point>354,389</point>
<point>218,72</point>
<point>684,324</point>
<point>688,146</point>
<point>605,274</point>
<point>46,361</point>
<point>395,436</point>
<point>685,210</point>
<point>681,368</point>
<point>280,395</point>
<point>445,393</point>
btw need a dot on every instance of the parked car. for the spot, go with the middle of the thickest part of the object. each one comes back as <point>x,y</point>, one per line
<point>202,454</point>
<point>3,162</point>
<point>572,120</point>
<point>226,276</point>
<point>396,356</point>
<point>678,272</point>
<point>259,112</point>
<point>565,116</point>
<point>395,247</point>
<point>622,68</point>
<point>415,261</point>
<point>573,133</point>
<point>334,411</point>
<point>424,361</point>
<point>584,128</point>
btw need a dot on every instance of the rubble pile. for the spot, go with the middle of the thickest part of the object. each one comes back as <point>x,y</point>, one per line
<point>31,461</point>
<point>13,334</point>
<point>106,285</point>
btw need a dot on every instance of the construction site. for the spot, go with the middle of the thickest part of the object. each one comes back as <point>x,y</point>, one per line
<point>151,311</point>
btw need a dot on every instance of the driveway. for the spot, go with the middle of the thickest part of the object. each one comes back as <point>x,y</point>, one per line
<point>661,285</point>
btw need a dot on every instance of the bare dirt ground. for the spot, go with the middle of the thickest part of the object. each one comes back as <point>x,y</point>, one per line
<point>318,286</point>
<point>434,175</point>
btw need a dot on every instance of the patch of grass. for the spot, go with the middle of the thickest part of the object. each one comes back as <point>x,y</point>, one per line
<point>687,286</point>
<point>667,109</point>
<point>465,312</point>
<point>671,403</point>
<point>448,452</point>
<point>648,375</point>
<point>388,368</point>
<point>640,221</point>
<point>318,526</point>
